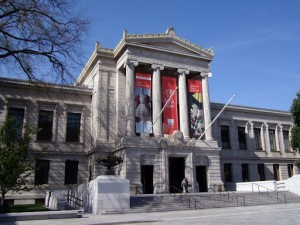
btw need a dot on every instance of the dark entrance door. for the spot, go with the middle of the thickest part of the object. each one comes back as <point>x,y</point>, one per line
<point>201,178</point>
<point>147,179</point>
<point>176,173</point>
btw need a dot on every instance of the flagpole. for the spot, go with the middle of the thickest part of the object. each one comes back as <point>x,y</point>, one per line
<point>162,109</point>
<point>216,117</point>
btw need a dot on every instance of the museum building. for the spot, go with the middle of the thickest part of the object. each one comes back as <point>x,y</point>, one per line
<point>147,101</point>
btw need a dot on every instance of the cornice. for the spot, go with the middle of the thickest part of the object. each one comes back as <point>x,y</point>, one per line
<point>251,109</point>
<point>8,82</point>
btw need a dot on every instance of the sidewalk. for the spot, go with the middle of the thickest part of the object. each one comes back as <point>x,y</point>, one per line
<point>267,214</point>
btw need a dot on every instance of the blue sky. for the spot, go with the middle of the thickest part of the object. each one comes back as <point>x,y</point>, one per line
<point>256,42</point>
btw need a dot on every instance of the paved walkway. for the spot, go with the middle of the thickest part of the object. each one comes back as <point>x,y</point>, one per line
<point>268,214</point>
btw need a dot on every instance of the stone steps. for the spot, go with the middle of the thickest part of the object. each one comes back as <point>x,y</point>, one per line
<point>208,200</point>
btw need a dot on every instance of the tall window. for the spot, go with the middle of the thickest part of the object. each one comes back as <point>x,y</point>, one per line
<point>41,172</point>
<point>245,172</point>
<point>242,138</point>
<point>276,172</point>
<point>290,170</point>
<point>286,140</point>
<point>257,138</point>
<point>73,127</point>
<point>71,172</point>
<point>17,115</point>
<point>272,139</point>
<point>45,125</point>
<point>228,172</point>
<point>225,137</point>
<point>261,172</point>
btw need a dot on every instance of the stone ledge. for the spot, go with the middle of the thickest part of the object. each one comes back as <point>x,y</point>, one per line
<point>8,217</point>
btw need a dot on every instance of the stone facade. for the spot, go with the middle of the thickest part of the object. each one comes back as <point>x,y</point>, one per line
<point>154,163</point>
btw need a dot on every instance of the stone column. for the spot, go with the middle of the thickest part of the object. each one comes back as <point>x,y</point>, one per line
<point>206,105</point>
<point>281,147</point>
<point>250,135</point>
<point>156,99</point>
<point>267,139</point>
<point>130,102</point>
<point>183,106</point>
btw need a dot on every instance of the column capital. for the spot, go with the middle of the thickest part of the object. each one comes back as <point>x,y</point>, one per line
<point>182,70</point>
<point>157,66</point>
<point>279,128</point>
<point>130,62</point>
<point>206,74</point>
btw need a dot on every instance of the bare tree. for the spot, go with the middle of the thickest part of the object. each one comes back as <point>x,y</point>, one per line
<point>39,37</point>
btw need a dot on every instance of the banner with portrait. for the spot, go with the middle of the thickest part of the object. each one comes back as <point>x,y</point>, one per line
<point>143,104</point>
<point>170,113</point>
<point>195,107</point>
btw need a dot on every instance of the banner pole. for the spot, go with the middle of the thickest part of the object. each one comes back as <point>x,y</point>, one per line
<point>216,117</point>
<point>161,111</point>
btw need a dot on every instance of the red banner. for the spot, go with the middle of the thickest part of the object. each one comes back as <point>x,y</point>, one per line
<point>143,112</point>
<point>195,86</point>
<point>170,114</point>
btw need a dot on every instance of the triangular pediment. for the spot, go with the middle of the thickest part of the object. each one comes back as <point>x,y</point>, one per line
<point>170,45</point>
<point>168,42</point>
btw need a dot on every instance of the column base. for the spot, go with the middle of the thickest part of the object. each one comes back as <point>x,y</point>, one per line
<point>131,134</point>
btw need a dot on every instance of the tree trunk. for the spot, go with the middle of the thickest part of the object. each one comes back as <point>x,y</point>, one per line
<point>2,201</point>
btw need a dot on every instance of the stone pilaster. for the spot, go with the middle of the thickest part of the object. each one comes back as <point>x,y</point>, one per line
<point>130,103</point>
<point>183,106</point>
<point>156,100</point>
<point>281,147</point>
<point>206,105</point>
<point>267,139</point>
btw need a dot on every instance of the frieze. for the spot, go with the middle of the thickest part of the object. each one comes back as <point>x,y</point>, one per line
<point>168,60</point>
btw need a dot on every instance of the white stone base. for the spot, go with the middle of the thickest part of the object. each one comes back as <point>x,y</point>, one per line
<point>105,193</point>
<point>293,184</point>
<point>257,186</point>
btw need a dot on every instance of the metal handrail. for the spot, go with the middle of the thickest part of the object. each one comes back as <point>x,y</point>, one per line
<point>179,191</point>
<point>235,194</point>
<point>269,190</point>
<point>190,199</point>
<point>71,198</point>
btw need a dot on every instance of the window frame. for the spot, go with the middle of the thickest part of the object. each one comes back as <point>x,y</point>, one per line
<point>286,140</point>
<point>272,139</point>
<point>245,172</point>
<point>42,174</point>
<point>70,168</point>
<point>19,121</point>
<point>70,133</point>
<point>228,175</point>
<point>257,138</point>
<point>261,172</point>
<point>242,138</point>
<point>48,137</point>
<point>290,168</point>
<point>225,134</point>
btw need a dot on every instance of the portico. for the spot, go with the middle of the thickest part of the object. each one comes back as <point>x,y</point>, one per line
<point>181,75</point>
<point>153,67</point>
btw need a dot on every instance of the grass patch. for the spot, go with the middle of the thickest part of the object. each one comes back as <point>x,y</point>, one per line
<point>23,208</point>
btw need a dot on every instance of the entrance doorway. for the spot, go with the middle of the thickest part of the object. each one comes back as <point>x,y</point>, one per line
<point>176,173</point>
<point>147,178</point>
<point>201,178</point>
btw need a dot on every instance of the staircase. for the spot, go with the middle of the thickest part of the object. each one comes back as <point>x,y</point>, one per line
<point>167,202</point>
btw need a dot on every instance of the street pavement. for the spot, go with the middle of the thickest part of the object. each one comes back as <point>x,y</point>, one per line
<point>264,214</point>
